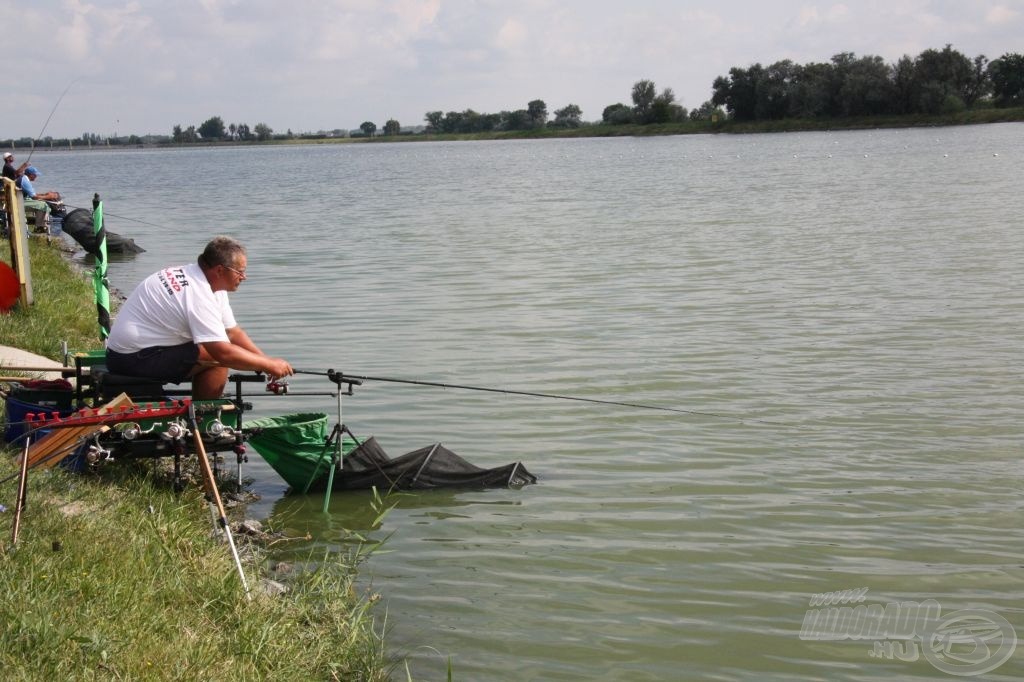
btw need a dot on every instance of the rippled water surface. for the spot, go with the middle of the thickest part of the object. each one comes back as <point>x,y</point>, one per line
<point>840,316</point>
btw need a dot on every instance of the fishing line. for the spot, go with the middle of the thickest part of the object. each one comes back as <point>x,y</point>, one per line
<point>340,378</point>
<point>108,214</point>
<point>52,112</point>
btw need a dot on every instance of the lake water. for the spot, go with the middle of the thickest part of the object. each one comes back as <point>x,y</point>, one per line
<point>839,313</point>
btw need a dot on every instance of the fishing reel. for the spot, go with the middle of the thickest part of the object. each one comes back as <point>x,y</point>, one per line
<point>95,455</point>
<point>175,430</point>
<point>134,431</point>
<point>218,429</point>
<point>277,387</point>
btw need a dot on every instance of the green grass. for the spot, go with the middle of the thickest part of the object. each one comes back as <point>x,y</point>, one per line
<point>64,306</point>
<point>123,580</point>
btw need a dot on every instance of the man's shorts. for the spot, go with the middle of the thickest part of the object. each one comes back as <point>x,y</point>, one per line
<point>169,363</point>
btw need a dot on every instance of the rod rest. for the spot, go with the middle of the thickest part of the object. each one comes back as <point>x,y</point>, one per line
<point>246,378</point>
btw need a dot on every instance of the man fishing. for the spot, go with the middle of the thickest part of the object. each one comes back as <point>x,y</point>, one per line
<point>178,325</point>
<point>36,201</point>
<point>10,172</point>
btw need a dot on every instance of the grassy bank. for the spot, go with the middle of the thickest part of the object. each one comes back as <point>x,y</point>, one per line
<point>117,577</point>
<point>63,308</point>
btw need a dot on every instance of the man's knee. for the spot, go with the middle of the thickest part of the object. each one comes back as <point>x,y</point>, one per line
<point>209,382</point>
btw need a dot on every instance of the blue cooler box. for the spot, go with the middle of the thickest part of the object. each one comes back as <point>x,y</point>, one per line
<point>24,401</point>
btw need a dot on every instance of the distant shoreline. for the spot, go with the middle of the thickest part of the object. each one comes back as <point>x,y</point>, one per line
<point>975,117</point>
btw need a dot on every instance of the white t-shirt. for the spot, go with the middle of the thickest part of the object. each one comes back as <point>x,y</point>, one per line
<point>171,307</point>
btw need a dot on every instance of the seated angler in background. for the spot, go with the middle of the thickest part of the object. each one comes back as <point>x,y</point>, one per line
<point>178,325</point>
<point>33,200</point>
<point>10,172</point>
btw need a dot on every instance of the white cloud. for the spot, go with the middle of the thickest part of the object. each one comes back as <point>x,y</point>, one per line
<point>511,35</point>
<point>1001,14</point>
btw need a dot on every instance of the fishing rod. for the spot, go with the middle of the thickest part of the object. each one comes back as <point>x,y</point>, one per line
<point>52,112</point>
<point>340,378</point>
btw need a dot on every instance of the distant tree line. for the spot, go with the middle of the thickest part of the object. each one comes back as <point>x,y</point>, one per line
<point>86,140</point>
<point>533,117</point>
<point>213,128</point>
<point>934,82</point>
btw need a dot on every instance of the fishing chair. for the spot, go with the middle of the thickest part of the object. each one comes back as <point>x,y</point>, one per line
<point>97,384</point>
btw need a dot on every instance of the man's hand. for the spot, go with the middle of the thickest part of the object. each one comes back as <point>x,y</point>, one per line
<point>278,368</point>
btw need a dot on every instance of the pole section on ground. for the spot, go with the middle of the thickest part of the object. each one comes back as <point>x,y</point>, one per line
<point>19,505</point>
<point>210,484</point>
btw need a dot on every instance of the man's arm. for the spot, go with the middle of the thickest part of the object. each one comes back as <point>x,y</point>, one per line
<point>47,196</point>
<point>238,337</point>
<point>237,356</point>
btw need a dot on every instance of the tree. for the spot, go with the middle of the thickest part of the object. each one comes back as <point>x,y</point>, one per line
<point>665,110</point>
<point>867,88</point>
<point>1007,76</point>
<point>707,112</point>
<point>368,128</point>
<point>738,92</point>
<point>568,117</point>
<point>617,114</point>
<point>943,75</point>
<point>515,120</point>
<point>434,119</point>
<point>774,89</point>
<point>212,128</point>
<point>263,132</point>
<point>176,133</point>
<point>452,122</point>
<point>643,99</point>
<point>537,111</point>
<point>243,132</point>
<point>232,130</point>
<point>392,127</point>
<point>810,90</point>
<point>471,121</point>
<point>904,86</point>
<point>978,84</point>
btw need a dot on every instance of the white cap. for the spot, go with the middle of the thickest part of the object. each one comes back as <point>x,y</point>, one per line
<point>8,155</point>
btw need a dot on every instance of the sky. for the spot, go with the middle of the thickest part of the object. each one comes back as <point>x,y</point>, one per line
<point>119,67</point>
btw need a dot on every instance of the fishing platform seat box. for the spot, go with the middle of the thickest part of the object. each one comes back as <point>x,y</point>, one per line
<point>109,385</point>
<point>92,371</point>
